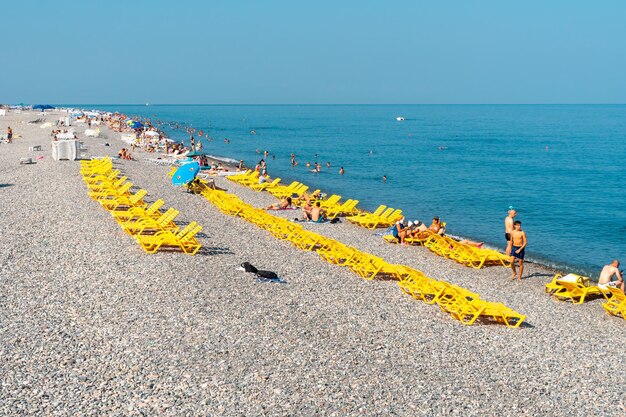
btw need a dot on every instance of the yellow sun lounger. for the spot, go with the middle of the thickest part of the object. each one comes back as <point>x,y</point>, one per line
<point>467,312</point>
<point>555,284</point>
<point>265,185</point>
<point>616,305</point>
<point>576,292</point>
<point>185,240</point>
<point>148,225</point>
<point>346,209</point>
<point>137,212</point>
<point>124,202</point>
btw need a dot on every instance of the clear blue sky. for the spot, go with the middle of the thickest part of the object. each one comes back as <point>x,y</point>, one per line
<point>179,51</point>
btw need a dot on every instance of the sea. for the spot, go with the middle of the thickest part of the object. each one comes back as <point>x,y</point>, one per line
<point>562,167</point>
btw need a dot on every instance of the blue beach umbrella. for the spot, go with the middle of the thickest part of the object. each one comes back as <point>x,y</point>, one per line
<point>185,174</point>
<point>134,124</point>
<point>43,107</point>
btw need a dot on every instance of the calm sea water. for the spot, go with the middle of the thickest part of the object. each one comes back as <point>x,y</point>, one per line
<point>561,167</point>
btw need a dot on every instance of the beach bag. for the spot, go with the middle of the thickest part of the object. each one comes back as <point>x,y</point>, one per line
<point>248,267</point>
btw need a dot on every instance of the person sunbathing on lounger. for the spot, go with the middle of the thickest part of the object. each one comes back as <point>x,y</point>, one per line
<point>478,245</point>
<point>437,227</point>
<point>316,195</point>
<point>284,204</point>
<point>607,275</point>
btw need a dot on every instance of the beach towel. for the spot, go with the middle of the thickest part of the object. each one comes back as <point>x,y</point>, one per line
<point>261,276</point>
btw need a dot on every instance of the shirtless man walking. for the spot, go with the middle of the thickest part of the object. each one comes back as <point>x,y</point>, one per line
<point>607,273</point>
<point>508,228</point>
<point>518,244</point>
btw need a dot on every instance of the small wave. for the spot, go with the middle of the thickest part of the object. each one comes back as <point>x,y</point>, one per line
<point>224,159</point>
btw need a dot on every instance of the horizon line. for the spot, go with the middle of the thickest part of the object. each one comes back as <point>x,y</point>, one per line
<point>340,104</point>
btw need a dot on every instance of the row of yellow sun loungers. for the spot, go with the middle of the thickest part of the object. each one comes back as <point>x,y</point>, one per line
<point>460,252</point>
<point>463,305</point>
<point>578,289</point>
<point>458,302</point>
<point>465,254</point>
<point>296,190</point>
<point>152,229</point>
<point>383,216</point>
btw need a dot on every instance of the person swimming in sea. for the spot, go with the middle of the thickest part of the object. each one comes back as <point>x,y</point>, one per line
<point>341,171</point>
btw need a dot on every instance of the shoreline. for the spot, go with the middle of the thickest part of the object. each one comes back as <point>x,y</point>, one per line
<point>552,265</point>
<point>549,264</point>
<point>97,326</point>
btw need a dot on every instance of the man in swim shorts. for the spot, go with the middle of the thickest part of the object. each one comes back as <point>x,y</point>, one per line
<point>518,246</point>
<point>508,228</point>
<point>607,274</point>
<point>317,213</point>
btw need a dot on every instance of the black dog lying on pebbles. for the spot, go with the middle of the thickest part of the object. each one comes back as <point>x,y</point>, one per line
<point>261,276</point>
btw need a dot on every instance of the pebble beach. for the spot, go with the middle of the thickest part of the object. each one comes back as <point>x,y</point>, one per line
<point>92,325</point>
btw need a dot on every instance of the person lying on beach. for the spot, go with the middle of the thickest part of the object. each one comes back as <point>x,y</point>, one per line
<point>478,245</point>
<point>419,230</point>
<point>284,204</point>
<point>317,213</point>
<point>606,276</point>
<point>416,228</point>
<point>195,186</point>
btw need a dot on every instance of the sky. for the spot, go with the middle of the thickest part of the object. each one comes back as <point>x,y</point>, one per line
<point>322,52</point>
